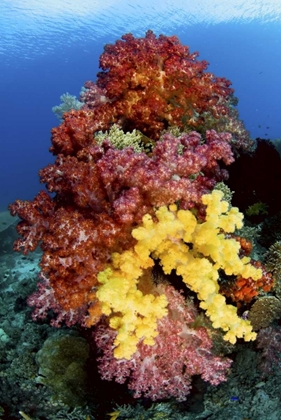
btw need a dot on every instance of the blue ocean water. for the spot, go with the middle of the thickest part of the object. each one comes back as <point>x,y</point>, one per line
<point>49,48</point>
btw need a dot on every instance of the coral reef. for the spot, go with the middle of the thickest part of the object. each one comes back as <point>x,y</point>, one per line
<point>120,140</point>
<point>270,231</point>
<point>273,262</point>
<point>133,185</point>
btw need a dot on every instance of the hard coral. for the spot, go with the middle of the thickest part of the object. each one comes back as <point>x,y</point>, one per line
<point>265,310</point>
<point>273,260</point>
<point>62,362</point>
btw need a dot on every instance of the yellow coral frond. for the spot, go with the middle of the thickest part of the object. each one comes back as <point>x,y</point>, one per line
<point>133,314</point>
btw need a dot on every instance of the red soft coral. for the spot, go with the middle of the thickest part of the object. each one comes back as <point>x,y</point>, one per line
<point>150,84</point>
<point>35,217</point>
<point>156,82</point>
<point>101,198</point>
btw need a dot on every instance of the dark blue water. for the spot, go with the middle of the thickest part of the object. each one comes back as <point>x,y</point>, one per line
<point>46,51</point>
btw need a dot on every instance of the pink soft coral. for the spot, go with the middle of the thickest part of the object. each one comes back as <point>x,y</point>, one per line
<point>165,369</point>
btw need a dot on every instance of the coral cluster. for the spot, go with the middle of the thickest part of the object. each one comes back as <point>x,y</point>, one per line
<point>197,251</point>
<point>100,199</point>
<point>166,368</point>
<point>121,198</point>
<point>150,84</point>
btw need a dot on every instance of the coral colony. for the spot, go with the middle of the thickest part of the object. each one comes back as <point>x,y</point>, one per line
<point>137,235</point>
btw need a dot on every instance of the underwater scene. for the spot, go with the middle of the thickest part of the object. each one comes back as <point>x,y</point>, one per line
<point>140,210</point>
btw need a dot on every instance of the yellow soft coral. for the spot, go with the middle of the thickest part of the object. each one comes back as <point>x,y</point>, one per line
<point>196,251</point>
<point>134,315</point>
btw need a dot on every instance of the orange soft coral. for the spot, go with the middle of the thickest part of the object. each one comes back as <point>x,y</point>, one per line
<point>245,289</point>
